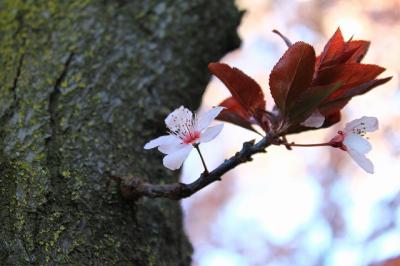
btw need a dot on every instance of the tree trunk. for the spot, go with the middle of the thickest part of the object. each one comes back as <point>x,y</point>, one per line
<point>83,85</point>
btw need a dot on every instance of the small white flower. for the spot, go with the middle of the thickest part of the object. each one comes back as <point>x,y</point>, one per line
<point>185,130</point>
<point>352,140</point>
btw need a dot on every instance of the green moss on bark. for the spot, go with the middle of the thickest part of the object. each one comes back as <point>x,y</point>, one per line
<point>83,85</point>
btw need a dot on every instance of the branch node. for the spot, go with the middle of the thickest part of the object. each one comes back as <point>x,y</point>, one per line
<point>248,144</point>
<point>130,187</point>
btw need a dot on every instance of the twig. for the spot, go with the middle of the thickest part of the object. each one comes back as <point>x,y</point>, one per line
<point>196,146</point>
<point>292,144</point>
<point>134,188</point>
<point>289,145</point>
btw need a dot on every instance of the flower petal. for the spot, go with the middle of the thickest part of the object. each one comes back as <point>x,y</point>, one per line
<point>315,120</point>
<point>174,160</point>
<point>356,142</point>
<point>169,148</point>
<point>206,119</point>
<point>180,116</point>
<point>363,124</point>
<point>161,141</point>
<point>362,161</point>
<point>210,133</point>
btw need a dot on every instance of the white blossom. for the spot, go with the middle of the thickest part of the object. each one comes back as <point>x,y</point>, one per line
<point>185,130</point>
<point>352,140</point>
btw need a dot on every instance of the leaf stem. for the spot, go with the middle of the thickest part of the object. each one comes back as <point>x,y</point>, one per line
<point>307,145</point>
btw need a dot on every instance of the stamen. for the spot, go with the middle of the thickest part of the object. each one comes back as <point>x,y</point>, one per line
<point>183,126</point>
<point>360,130</point>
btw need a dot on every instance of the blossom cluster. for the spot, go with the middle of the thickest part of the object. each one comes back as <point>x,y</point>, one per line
<point>309,92</point>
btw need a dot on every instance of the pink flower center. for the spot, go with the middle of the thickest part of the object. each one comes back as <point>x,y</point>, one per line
<point>191,138</point>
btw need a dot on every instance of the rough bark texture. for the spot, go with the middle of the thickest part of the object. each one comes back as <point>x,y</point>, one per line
<point>83,85</point>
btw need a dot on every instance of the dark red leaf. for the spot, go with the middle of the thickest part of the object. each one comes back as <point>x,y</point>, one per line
<point>339,102</point>
<point>337,51</point>
<point>359,49</point>
<point>364,87</point>
<point>310,101</point>
<point>345,57</point>
<point>292,75</point>
<point>340,62</point>
<point>235,114</point>
<point>243,88</point>
<point>333,49</point>
<point>333,106</point>
<point>232,105</point>
<point>352,52</point>
<point>350,75</point>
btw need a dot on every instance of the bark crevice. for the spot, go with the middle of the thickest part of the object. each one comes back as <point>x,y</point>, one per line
<point>52,145</point>
<point>13,89</point>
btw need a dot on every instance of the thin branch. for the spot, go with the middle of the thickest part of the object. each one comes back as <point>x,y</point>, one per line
<point>196,146</point>
<point>135,188</point>
<point>289,145</point>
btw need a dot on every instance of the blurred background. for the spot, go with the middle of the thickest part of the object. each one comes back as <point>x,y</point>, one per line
<point>308,206</point>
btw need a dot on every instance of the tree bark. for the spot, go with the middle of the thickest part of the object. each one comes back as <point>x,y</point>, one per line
<point>83,85</point>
